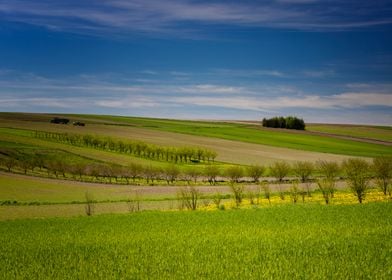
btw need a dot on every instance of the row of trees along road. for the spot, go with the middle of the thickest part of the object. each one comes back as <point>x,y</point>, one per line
<point>135,148</point>
<point>357,172</point>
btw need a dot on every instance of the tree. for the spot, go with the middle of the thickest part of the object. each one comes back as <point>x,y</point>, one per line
<point>357,172</point>
<point>303,170</point>
<point>189,197</point>
<point>294,192</point>
<point>24,164</point>
<point>212,172</point>
<point>255,172</point>
<point>279,170</point>
<point>330,170</point>
<point>171,173</point>
<point>382,168</point>
<point>10,163</point>
<point>267,192</point>
<point>235,173</point>
<point>326,186</point>
<point>238,192</point>
<point>135,170</point>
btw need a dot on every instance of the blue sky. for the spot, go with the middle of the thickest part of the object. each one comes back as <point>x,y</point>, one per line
<point>325,61</point>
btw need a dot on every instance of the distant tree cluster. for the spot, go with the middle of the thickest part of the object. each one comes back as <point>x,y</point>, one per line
<point>285,122</point>
<point>135,148</point>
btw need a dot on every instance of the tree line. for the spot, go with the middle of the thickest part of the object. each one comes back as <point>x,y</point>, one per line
<point>357,172</point>
<point>135,148</point>
<point>289,122</point>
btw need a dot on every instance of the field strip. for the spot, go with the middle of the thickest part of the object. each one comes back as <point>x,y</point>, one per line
<point>24,188</point>
<point>228,150</point>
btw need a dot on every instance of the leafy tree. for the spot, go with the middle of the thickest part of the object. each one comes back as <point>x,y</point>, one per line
<point>326,186</point>
<point>382,168</point>
<point>279,170</point>
<point>357,172</point>
<point>330,170</point>
<point>255,172</point>
<point>238,192</point>
<point>171,173</point>
<point>212,172</point>
<point>303,170</point>
<point>235,173</point>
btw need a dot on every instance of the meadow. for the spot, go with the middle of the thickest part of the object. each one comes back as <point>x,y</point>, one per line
<point>285,242</point>
<point>71,210</point>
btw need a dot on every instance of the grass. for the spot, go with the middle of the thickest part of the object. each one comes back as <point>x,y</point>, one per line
<point>254,134</point>
<point>228,131</point>
<point>287,242</point>
<point>19,139</point>
<point>369,132</point>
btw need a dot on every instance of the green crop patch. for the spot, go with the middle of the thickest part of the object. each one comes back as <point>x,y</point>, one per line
<point>287,242</point>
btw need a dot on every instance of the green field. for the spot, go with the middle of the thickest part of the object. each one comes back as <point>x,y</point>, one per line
<point>287,242</point>
<point>257,135</point>
<point>242,133</point>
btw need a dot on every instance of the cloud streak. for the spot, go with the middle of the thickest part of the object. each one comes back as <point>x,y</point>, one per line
<point>190,17</point>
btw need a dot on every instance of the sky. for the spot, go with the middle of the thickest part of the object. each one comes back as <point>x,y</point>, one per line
<point>323,61</point>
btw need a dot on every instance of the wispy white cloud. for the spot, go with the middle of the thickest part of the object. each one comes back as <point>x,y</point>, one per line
<point>343,100</point>
<point>91,93</point>
<point>179,17</point>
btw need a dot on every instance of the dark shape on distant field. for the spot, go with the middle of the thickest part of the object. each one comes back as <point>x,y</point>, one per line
<point>59,121</point>
<point>79,124</point>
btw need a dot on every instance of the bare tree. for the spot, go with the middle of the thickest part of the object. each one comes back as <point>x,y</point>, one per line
<point>189,197</point>
<point>134,201</point>
<point>10,163</point>
<point>358,177</point>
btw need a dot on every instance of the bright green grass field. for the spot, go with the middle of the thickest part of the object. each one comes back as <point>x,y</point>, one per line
<point>287,242</point>
<point>254,134</point>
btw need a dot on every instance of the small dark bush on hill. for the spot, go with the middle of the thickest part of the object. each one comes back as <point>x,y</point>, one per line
<point>284,122</point>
